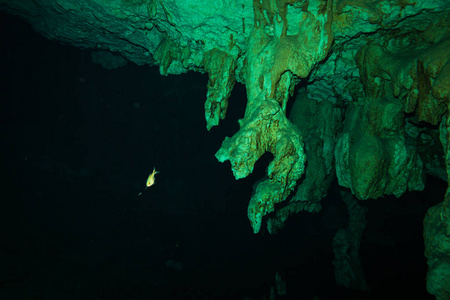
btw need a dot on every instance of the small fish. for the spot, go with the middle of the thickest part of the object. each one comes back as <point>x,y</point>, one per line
<point>150,180</point>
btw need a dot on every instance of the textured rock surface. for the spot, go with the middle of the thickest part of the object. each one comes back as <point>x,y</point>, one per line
<point>373,156</point>
<point>267,129</point>
<point>379,66</point>
<point>319,123</point>
<point>220,67</point>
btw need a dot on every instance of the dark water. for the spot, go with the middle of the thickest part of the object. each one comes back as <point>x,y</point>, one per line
<point>77,144</point>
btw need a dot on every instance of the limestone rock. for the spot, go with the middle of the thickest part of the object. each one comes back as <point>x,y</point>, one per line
<point>319,124</point>
<point>380,68</point>
<point>220,67</point>
<point>275,58</point>
<point>267,129</point>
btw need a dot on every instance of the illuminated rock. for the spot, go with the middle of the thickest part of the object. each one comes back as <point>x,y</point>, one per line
<point>221,69</point>
<point>373,71</point>
<point>319,124</point>
<point>266,129</point>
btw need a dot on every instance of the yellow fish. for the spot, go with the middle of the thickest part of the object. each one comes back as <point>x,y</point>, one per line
<point>150,180</point>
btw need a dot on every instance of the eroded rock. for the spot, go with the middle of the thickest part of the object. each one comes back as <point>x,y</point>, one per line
<point>381,64</point>
<point>266,129</point>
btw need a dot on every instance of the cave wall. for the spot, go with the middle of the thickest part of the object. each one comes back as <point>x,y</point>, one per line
<point>372,110</point>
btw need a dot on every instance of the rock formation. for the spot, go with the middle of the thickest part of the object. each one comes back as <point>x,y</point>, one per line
<point>373,110</point>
